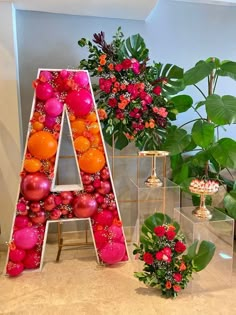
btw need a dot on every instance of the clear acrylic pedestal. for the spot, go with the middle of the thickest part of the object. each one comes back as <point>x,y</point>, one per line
<point>219,230</point>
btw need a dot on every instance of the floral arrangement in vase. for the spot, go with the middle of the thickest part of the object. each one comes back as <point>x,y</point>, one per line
<point>131,96</point>
<point>168,263</point>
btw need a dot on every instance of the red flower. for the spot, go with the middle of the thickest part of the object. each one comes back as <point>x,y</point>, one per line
<point>157,90</point>
<point>177,276</point>
<point>167,251</point>
<point>118,67</point>
<point>168,285</point>
<point>148,258</point>
<point>112,102</point>
<point>159,255</point>
<point>180,247</point>
<point>170,235</point>
<point>159,230</point>
<point>176,288</point>
<point>126,64</point>
<point>105,85</point>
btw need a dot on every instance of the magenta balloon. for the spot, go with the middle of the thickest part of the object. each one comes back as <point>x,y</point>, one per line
<point>44,91</point>
<point>49,202</point>
<point>14,269</point>
<point>81,78</point>
<point>84,206</point>
<point>35,186</point>
<point>115,233</point>
<point>80,102</point>
<point>112,253</point>
<point>32,259</point>
<point>103,218</point>
<point>16,255</point>
<point>21,221</point>
<point>53,107</point>
<point>26,238</point>
<point>49,122</point>
<point>101,238</point>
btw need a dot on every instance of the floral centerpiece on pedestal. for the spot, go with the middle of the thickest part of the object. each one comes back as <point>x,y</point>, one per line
<point>131,96</point>
<point>168,264</point>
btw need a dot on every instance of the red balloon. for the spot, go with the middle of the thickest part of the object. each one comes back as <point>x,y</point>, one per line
<point>39,217</point>
<point>80,102</point>
<point>66,197</point>
<point>112,253</point>
<point>44,91</point>
<point>35,186</point>
<point>32,259</point>
<point>105,187</point>
<point>14,269</point>
<point>16,255</point>
<point>35,207</point>
<point>49,202</point>
<point>26,238</point>
<point>55,214</point>
<point>84,205</point>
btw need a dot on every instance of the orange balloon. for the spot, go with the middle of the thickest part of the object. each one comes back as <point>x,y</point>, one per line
<point>37,125</point>
<point>78,126</point>
<point>94,128</point>
<point>92,117</point>
<point>81,144</point>
<point>32,165</point>
<point>92,161</point>
<point>42,145</point>
<point>96,140</point>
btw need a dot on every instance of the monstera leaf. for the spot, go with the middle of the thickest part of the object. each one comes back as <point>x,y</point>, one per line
<point>224,152</point>
<point>203,133</point>
<point>177,140</point>
<point>199,72</point>
<point>134,47</point>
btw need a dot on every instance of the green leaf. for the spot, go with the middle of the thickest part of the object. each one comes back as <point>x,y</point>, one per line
<point>192,250</point>
<point>224,152</point>
<point>182,102</point>
<point>181,174</point>
<point>200,104</point>
<point>204,255</point>
<point>221,110</point>
<point>154,220</point>
<point>230,203</point>
<point>176,161</point>
<point>121,141</point>
<point>227,68</point>
<point>134,46</point>
<point>203,133</point>
<point>196,74</point>
<point>177,140</point>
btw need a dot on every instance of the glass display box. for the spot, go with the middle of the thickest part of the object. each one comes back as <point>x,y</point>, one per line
<point>219,230</point>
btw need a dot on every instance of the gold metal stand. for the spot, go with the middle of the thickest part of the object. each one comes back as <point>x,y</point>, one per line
<point>202,212</point>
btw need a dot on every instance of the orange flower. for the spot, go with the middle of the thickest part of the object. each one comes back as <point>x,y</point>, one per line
<point>111,66</point>
<point>121,105</point>
<point>182,266</point>
<point>151,124</point>
<point>171,227</point>
<point>146,124</point>
<point>102,113</point>
<point>168,285</point>
<point>114,90</point>
<point>176,288</point>
<point>128,136</point>
<point>102,57</point>
<point>100,69</point>
<point>102,62</point>
<point>125,102</point>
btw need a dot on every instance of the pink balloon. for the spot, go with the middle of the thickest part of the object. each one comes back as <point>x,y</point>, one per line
<point>22,221</point>
<point>45,76</point>
<point>35,207</point>
<point>81,78</point>
<point>55,214</point>
<point>66,197</point>
<point>44,91</point>
<point>25,238</point>
<point>16,255</point>
<point>53,107</point>
<point>84,205</point>
<point>32,259</point>
<point>64,74</point>
<point>112,253</point>
<point>14,269</point>
<point>80,102</point>
<point>35,186</point>
<point>115,233</point>
<point>49,122</point>
<point>103,218</point>
<point>101,238</point>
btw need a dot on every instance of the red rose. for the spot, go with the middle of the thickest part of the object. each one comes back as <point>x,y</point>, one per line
<point>170,235</point>
<point>167,251</point>
<point>112,102</point>
<point>126,64</point>
<point>159,230</point>
<point>177,276</point>
<point>105,85</point>
<point>157,90</point>
<point>176,288</point>
<point>118,67</point>
<point>180,247</point>
<point>147,257</point>
<point>159,255</point>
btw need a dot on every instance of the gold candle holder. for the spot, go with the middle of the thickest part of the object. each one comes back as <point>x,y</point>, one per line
<point>153,180</point>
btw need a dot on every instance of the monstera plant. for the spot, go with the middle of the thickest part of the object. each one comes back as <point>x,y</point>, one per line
<point>197,150</point>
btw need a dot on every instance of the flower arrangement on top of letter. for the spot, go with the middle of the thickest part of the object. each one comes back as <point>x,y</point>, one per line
<point>168,264</point>
<point>132,96</point>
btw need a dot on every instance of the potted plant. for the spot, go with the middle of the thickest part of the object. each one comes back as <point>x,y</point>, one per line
<point>201,152</point>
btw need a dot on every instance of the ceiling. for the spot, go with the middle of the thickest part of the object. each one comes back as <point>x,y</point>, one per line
<point>123,9</point>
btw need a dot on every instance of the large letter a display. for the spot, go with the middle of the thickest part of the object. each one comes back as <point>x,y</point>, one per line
<point>64,95</point>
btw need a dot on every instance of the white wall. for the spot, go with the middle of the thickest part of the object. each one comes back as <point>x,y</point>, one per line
<point>9,121</point>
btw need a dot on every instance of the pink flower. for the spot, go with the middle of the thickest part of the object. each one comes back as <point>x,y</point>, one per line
<point>167,251</point>
<point>148,258</point>
<point>177,276</point>
<point>162,112</point>
<point>159,230</point>
<point>135,66</point>
<point>180,247</point>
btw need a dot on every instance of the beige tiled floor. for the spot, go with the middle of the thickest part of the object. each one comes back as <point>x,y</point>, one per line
<point>77,285</point>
